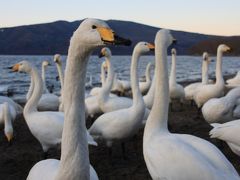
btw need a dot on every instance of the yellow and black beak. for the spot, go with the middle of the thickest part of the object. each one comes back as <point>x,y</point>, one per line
<point>151,46</point>
<point>230,50</point>
<point>109,37</point>
<point>14,68</point>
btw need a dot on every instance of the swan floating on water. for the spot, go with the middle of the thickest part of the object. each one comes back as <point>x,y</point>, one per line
<point>177,156</point>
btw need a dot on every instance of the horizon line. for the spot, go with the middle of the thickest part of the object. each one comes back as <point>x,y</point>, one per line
<point>71,21</point>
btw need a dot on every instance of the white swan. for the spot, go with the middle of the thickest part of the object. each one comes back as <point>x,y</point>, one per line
<point>7,116</point>
<point>45,64</point>
<point>124,123</point>
<point>192,88</point>
<point>228,132</point>
<point>48,101</point>
<point>208,91</point>
<point>176,90</point>
<point>177,156</point>
<point>223,109</point>
<point>106,102</point>
<point>74,163</point>
<point>45,126</point>
<point>145,86</point>
<point>233,82</point>
<point>11,103</point>
<point>149,97</point>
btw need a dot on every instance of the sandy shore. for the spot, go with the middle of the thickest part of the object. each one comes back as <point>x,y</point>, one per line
<point>17,159</point>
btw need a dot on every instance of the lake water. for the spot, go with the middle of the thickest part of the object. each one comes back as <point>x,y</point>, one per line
<point>188,68</point>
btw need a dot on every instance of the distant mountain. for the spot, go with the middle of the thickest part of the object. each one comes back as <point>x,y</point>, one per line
<point>51,38</point>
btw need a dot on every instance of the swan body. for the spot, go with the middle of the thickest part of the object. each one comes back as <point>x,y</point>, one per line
<point>223,109</point>
<point>235,80</point>
<point>74,163</point>
<point>177,156</point>
<point>144,86</point>
<point>11,103</point>
<point>124,123</point>
<point>192,88</point>
<point>48,101</point>
<point>46,126</point>
<point>228,132</point>
<point>208,91</point>
<point>176,90</point>
<point>7,117</point>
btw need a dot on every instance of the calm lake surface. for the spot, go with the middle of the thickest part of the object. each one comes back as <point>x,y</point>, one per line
<point>188,69</point>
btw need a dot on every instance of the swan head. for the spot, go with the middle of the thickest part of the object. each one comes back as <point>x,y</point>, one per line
<point>23,66</point>
<point>45,63</point>
<point>94,32</point>
<point>105,52</point>
<point>224,48</point>
<point>144,47</point>
<point>174,51</point>
<point>164,36</point>
<point>104,65</point>
<point>57,59</point>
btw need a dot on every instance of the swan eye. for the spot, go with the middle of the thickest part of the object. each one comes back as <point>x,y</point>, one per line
<point>94,27</point>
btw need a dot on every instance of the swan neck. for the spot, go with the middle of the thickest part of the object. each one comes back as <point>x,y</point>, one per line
<point>204,72</point>
<point>137,96</point>
<point>74,151</point>
<point>30,90</point>
<point>60,74</point>
<point>103,79</point>
<point>31,105</point>
<point>158,118</point>
<point>173,70</point>
<point>44,79</point>
<point>148,73</point>
<point>219,78</point>
<point>106,89</point>
<point>8,128</point>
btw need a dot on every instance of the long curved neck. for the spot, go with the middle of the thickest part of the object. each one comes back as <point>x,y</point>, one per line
<point>103,79</point>
<point>158,117</point>
<point>148,73</point>
<point>137,95</point>
<point>8,128</point>
<point>44,79</point>
<point>30,90</point>
<point>173,70</point>
<point>31,105</point>
<point>219,78</point>
<point>60,73</point>
<point>74,162</point>
<point>106,89</point>
<point>204,72</point>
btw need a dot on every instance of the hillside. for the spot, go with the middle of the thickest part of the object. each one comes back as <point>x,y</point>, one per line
<point>51,38</point>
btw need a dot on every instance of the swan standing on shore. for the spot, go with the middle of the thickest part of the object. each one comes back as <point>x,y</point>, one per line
<point>46,126</point>
<point>176,90</point>
<point>192,88</point>
<point>223,109</point>
<point>177,156</point>
<point>208,91</point>
<point>74,163</point>
<point>228,132</point>
<point>7,116</point>
<point>124,123</point>
<point>145,86</point>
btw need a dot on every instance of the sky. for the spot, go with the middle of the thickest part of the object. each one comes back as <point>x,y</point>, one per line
<point>217,17</point>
